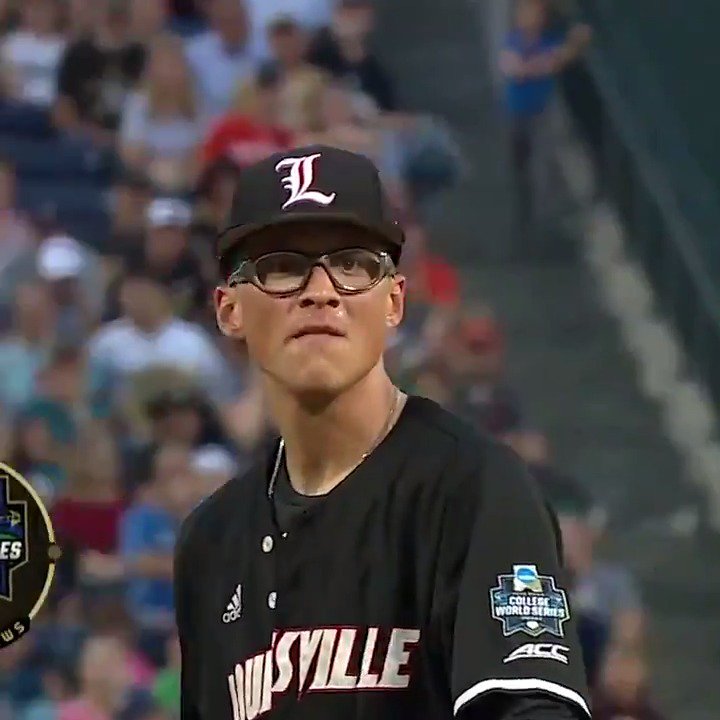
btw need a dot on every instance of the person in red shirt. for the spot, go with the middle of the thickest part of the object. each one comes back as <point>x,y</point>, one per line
<point>431,278</point>
<point>475,353</point>
<point>87,516</point>
<point>250,132</point>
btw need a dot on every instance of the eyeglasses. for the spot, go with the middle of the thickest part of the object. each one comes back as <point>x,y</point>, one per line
<point>352,270</point>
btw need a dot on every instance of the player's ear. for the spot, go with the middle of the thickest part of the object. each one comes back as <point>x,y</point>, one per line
<point>228,311</point>
<point>395,301</point>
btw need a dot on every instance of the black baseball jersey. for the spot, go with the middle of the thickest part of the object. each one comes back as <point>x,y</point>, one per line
<point>424,586</point>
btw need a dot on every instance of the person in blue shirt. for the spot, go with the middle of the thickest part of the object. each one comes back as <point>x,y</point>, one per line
<point>147,541</point>
<point>535,53</point>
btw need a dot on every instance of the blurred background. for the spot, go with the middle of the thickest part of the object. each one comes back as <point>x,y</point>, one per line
<point>556,167</point>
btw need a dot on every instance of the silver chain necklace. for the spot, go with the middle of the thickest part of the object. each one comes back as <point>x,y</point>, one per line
<point>397,396</point>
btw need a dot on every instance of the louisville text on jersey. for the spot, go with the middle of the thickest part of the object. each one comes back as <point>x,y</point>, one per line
<point>322,660</point>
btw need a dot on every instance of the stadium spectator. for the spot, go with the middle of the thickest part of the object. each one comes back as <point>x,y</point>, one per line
<point>20,678</point>
<point>223,57</point>
<point>8,16</point>
<point>63,392</point>
<point>177,416</point>
<point>535,53</point>
<point>249,132</point>
<point>106,687</point>
<point>214,197</point>
<point>38,453</point>
<point>147,19</point>
<point>131,195</point>
<point>59,262</point>
<point>58,685</point>
<point>162,122</point>
<point>243,412</point>
<point>167,255</point>
<point>97,72</point>
<point>342,49</point>
<point>25,349</point>
<point>148,335</point>
<point>432,279</point>
<point>300,83</point>
<point>431,303</point>
<point>213,466</point>
<point>603,590</point>
<point>311,14</point>
<point>349,120</point>
<point>16,232</point>
<point>6,432</point>
<point>66,267</point>
<point>166,690</point>
<point>148,531</point>
<point>623,691</point>
<point>87,514</point>
<point>81,18</point>
<point>108,617</point>
<point>475,354</point>
<point>31,54</point>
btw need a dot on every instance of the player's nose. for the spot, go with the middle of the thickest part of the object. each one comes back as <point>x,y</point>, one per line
<point>319,289</point>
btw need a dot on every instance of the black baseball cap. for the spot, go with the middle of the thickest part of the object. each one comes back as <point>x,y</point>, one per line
<point>317,184</point>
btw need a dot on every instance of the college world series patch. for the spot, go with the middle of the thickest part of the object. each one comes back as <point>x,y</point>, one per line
<point>529,602</point>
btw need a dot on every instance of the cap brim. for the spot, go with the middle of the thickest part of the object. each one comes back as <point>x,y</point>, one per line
<point>391,233</point>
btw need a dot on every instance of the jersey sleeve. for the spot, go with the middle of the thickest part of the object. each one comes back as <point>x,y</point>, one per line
<point>512,628</point>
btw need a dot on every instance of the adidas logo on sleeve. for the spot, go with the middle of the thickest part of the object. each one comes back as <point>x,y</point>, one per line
<point>234,607</point>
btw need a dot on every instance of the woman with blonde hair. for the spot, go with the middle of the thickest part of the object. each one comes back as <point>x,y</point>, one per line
<point>248,133</point>
<point>161,124</point>
<point>351,121</point>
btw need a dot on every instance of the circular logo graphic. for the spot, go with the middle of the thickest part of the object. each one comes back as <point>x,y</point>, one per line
<point>28,554</point>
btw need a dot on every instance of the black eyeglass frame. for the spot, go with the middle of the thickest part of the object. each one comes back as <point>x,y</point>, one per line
<point>247,271</point>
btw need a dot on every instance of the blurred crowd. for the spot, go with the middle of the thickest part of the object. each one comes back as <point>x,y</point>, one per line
<point>123,126</point>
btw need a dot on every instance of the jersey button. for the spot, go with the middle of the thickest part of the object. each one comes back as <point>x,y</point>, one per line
<point>267,544</point>
<point>272,600</point>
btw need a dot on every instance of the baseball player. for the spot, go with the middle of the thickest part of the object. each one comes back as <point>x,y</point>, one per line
<point>382,561</point>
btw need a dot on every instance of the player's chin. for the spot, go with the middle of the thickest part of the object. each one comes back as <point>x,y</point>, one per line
<point>317,379</point>
<point>323,358</point>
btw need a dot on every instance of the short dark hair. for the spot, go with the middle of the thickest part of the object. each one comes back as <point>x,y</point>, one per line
<point>283,25</point>
<point>163,403</point>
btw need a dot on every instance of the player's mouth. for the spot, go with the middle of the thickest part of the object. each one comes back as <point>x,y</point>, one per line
<point>328,331</point>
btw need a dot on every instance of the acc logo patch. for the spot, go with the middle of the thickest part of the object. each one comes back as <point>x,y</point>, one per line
<point>27,555</point>
<point>529,602</point>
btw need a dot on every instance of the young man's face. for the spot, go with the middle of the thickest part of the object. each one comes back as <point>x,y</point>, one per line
<point>318,364</point>
<point>288,46</point>
<point>164,246</point>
